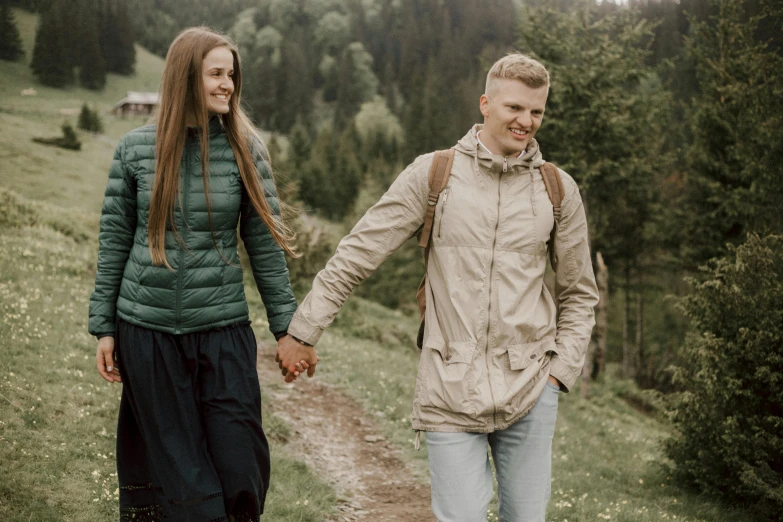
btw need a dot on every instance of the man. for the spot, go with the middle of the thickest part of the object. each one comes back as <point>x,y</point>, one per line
<point>498,349</point>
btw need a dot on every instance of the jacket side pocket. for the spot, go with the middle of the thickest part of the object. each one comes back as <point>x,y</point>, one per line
<point>449,385</point>
<point>520,356</point>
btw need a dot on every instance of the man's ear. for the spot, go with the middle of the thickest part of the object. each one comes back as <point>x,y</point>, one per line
<point>484,105</point>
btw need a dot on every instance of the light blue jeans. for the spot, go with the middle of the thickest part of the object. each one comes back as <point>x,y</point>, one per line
<point>462,478</point>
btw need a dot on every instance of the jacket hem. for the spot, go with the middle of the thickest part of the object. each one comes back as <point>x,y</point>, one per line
<point>174,331</point>
<point>450,428</point>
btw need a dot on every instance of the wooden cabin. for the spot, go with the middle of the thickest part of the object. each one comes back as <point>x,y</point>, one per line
<point>136,103</point>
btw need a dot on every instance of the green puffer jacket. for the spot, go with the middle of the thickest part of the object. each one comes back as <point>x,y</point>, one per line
<point>203,291</point>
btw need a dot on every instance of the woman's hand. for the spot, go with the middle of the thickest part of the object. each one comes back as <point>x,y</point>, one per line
<point>104,360</point>
<point>289,352</point>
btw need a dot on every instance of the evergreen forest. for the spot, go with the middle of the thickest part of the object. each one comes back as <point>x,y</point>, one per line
<point>667,113</point>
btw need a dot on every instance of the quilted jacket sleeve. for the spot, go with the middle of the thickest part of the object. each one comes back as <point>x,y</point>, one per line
<point>575,288</point>
<point>118,224</point>
<point>267,259</point>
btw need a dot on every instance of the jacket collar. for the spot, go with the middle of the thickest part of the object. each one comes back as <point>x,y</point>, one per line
<point>215,128</point>
<point>470,145</point>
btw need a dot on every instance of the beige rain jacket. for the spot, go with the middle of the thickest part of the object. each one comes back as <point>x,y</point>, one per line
<point>493,332</point>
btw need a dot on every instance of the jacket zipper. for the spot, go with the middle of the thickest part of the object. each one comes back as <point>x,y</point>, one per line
<point>443,209</point>
<point>489,307</point>
<point>183,231</point>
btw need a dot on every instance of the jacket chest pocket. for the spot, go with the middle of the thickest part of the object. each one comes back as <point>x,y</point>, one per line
<point>464,216</point>
<point>442,201</point>
<point>527,222</point>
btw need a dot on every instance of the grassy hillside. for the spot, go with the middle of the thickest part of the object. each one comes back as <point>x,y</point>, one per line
<point>48,173</point>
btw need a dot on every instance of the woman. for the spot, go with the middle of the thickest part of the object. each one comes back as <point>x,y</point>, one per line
<point>169,300</point>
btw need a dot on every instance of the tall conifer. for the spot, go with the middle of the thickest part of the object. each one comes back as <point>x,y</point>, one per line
<point>10,43</point>
<point>733,184</point>
<point>295,89</point>
<point>116,37</point>
<point>92,68</point>
<point>50,61</point>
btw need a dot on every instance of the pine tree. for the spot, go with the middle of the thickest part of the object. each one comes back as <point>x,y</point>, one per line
<point>89,120</point>
<point>426,120</point>
<point>97,123</point>
<point>70,19</point>
<point>116,37</point>
<point>295,91</point>
<point>50,62</point>
<point>356,83</point>
<point>126,58</point>
<point>347,99</point>
<point>10,43</point>
<point>92,68</point>
<point>85,118</point>
<point>346,175</point>
<point>732,186</point>
<point>262,94</point>
<point>727,418</point>
<point>299,146</point>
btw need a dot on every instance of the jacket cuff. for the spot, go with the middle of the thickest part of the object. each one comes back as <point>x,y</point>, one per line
<point>563,373</point>
<point>303,330</point>
<point>102,335</point>
<point>278,321</point>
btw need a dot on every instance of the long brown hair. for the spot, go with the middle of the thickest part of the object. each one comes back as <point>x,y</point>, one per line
<point>181,94</point>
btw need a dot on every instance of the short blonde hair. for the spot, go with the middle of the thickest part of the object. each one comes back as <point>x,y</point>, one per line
<point>520,67</point>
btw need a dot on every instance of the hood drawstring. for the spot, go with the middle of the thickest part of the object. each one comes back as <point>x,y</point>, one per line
<point>417,442</point>
<point>476,170</point>
<point>532,188</point>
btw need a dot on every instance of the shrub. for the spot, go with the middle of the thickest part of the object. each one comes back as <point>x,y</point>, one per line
<point>89,120</point>
<point>729,415</point>
<point>69,139</point>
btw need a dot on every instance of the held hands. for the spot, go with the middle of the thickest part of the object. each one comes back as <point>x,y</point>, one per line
<point>104,360</point>
<point>293,358</point>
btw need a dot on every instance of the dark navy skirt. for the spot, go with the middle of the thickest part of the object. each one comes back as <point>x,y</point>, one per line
<point>190,446</point>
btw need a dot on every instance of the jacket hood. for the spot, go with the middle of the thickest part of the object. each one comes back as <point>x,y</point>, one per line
<point>469,144</point>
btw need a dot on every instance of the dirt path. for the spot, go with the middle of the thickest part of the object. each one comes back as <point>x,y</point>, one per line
<point>337,439</point>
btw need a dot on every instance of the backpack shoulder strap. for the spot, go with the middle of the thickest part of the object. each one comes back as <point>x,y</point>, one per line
<point>438,178</point>
<point>554,187</point>
<point>556,192</point>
